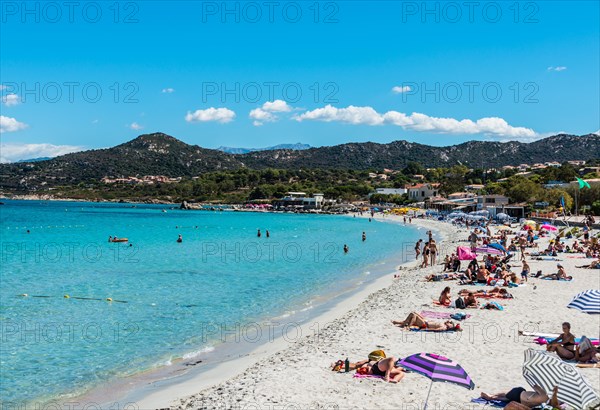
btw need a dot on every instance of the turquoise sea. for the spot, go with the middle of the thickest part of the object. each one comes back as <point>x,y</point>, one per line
<point>177,294</point>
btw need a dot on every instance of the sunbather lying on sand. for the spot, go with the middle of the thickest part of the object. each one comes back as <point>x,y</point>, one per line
<point>384,367</point>
<point>496,292</point>
<point>416,321</point>
<point>561,274</point>
<point>519,398</point>
<point>593,265</point>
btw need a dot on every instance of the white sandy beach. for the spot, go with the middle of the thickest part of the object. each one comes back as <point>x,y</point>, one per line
<point>297,375</point>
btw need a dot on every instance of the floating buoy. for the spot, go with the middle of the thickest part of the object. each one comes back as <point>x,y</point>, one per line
<point>109,299</point>
<point>24,295</point>
<point>66,296</point>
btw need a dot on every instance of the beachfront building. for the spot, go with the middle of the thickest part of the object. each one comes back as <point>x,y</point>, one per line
<point>421,192</point>
<point>300,200</point>
<point>390,191</point>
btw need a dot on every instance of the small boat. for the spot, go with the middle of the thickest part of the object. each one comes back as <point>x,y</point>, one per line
<point>119,240</point>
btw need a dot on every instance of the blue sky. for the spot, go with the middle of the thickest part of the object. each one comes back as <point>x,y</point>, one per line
<point>255,74</point>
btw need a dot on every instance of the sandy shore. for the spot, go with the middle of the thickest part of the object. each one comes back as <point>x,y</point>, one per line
<point>296,374</point>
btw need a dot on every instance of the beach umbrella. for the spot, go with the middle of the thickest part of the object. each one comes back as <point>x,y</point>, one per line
<point>547,371</point>
<point>529,222</point>
<point>497,246</point>
<point>502,215</point>
<point>489,250</point>
<point>587,301</point>
<point>549,227</point>
<point>438,369</point>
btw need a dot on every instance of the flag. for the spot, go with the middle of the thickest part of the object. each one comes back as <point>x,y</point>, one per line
<point>583,184</point>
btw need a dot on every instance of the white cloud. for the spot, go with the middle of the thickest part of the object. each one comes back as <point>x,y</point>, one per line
<point>265,113</point>
<point>491,126</point>
<point>11,99</point>
<point>16,152</point>
<point>222,115</point>
<point>351,115</point>
<point>168,90</point>
<point>95,121</point>
<point>276,106</point>
<point>558,68</point>
<point>261,116</point>
<point>400,90</point>
<point>9,124</point>
<point>135,126</point>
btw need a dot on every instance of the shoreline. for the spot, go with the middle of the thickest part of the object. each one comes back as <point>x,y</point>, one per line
<point>161,385</point>
<point>177,391</point>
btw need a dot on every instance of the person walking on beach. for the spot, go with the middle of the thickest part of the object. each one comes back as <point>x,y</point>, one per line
<point>405,220</point>
<point>418,248</point>
<point>432,251</point>
<point>425,256</point>
<point>430,236</point>
<point>525,271</point>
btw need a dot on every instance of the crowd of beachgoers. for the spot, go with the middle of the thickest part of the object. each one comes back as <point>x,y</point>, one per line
<point>389,345</point>
<point>494,262</point>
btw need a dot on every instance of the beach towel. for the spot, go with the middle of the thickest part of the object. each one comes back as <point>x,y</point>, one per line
<point>546,340</point>
<point>366,376</point>
<point>558,280</point>
<point>441,315</point>
<point>432,331</point>
<point>492,403</point>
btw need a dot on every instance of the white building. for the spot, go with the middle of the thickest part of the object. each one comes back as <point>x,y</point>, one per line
<point>391,191</point>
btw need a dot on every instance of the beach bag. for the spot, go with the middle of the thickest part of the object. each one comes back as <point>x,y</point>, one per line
<point>460,303</point>
<point>376,355</point>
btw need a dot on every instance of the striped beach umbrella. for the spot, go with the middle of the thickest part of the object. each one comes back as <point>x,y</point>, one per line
<point>587,301</point>
<point>547,371</point>
<point>438,369</point>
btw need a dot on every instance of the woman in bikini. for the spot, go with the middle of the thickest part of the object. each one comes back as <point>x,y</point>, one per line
<point>385,368</point>
<point>445,299</point>
<point>563,345</point>
<point>416,321</point>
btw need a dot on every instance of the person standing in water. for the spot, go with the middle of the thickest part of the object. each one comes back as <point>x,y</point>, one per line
<point>346,249</point>
<point>268,234</point>
<point>258,233</point>
<point>179,239</point>
<point>364,236</point>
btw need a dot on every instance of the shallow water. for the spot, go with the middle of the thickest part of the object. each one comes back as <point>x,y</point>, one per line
<point>180,297</point>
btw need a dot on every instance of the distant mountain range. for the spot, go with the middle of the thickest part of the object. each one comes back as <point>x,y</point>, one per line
<point>296,147</point>
<point>161,154</point>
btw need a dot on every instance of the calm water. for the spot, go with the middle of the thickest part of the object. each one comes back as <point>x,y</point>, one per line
<point>176,293</point>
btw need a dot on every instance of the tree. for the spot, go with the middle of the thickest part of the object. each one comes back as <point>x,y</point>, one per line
<point>522,189</point>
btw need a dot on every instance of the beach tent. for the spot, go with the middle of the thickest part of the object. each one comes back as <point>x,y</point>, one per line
<point>465,254</point>
<point>587,301</point>
<point>547,371</point>
<point>438,369</point>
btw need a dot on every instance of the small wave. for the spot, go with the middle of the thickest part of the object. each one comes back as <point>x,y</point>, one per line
<point>196,353</point>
